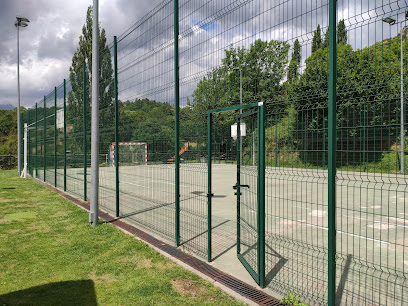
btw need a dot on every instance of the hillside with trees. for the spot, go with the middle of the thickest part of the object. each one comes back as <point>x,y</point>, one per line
<point>8,137</point>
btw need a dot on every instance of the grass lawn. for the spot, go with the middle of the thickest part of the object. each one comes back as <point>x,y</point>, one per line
<point>49,255</point>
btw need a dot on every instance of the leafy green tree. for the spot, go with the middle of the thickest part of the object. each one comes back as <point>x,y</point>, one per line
<point>149,121</point>
<point>341,33</point>
<point>326,39</point>
<point>317,39</point>
<point>294,65</point>
<point>263,67</point>
<point>82,55</point>
<point>366,97</point>
<point>8,132</point>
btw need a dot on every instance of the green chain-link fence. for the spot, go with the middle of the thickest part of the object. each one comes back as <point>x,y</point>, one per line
<point>331,76</point>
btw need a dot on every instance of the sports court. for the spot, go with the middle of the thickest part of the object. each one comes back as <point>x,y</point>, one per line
<point>370,223</point>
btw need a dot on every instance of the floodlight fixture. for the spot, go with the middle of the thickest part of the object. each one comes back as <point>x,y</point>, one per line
<point>389,20</point>
<point>21,22</point>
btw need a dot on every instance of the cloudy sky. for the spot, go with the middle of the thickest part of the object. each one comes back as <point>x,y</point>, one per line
<point>207,28</point>
<point>50,40</point>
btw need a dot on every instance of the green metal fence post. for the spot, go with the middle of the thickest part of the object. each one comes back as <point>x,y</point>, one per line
<point>28,170</point>
<point>261,195</point>
<point>209,194</point>
<point>84,122</point>
<point>55,136</point>
<point>332,155</point>
<point>115,63</point>
<point>36,140</point>
<point>238,185</point>
<point>65,137</point>
<point>177,124</point>
<point>45,134</point>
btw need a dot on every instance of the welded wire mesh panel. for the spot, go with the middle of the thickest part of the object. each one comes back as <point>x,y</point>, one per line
<point>75,137</point>
<point>40,139</point>
<point>296,148</point>
<point>146,110</point>
<point>107,177</point>
<point>29,121</point>
<point>371,161</point>
<point>31,142</point>
<point>34,142</point>
<point>59,124</point>
<point>49,138</point>
<point>249,201</point>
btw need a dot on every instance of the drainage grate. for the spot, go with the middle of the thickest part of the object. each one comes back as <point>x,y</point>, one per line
<point>227,280</point>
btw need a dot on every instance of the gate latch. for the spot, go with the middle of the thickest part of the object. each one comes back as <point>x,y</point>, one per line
<point>210,195</point>
<point>236,186</point>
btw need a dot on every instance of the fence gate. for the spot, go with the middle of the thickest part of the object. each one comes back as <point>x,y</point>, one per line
<point>250,189</point>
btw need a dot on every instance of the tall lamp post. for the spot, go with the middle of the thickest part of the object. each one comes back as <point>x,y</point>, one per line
<point>20,22</point>
<point>391,21</point>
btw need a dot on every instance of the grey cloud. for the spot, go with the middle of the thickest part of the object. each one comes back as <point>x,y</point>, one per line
<point>221,22</point>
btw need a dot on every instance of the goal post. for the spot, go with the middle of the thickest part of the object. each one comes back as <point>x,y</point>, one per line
<point>130,153</point>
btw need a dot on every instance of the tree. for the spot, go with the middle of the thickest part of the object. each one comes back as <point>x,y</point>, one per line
<point>82,55</point>
<point>294,65</point>
<point>341,33</point>
<point>263,67</point>
<point>366,97</point>
<point>149,121</point>
<point>326,39</point>
<point>317,39</point>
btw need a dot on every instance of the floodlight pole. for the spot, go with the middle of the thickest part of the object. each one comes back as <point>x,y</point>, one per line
<point>18,104</point>
<point>391,21</point>
<point>20,22</point>
<point>93,213</point>
<point>402,104</point>
<point>240,111</point>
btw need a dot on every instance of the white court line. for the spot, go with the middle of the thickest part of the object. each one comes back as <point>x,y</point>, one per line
<point>349,234</point>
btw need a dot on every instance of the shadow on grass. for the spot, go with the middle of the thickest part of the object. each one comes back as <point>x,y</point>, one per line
<point>80,292</point>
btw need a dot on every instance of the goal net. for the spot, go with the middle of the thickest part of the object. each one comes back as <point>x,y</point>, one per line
<point>130,153</point>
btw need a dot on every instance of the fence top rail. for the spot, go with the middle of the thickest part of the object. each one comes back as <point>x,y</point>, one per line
<point>237,107</point>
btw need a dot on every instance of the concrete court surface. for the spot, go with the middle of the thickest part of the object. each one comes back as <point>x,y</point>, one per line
<point>371,220</point>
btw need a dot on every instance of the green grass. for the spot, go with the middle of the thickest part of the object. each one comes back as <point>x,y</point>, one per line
<point>50,255</point>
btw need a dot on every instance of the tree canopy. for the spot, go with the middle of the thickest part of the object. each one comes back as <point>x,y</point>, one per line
<point>83,55</point>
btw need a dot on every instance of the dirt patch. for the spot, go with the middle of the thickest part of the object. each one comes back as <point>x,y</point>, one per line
<point>140,263</point>
<point>188,287</point>
<point>14,231</point>
<point>3,220</point>
<point>144,263</point>
<point>104,278</point>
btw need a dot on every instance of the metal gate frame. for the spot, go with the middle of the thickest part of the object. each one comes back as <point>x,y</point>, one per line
<point>259,276</point>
